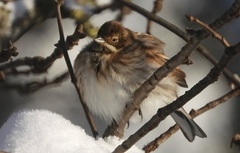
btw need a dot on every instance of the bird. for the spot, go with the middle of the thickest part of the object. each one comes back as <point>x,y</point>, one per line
<point>114,64</point>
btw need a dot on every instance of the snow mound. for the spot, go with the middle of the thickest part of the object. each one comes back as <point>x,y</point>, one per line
<point>42,131</point>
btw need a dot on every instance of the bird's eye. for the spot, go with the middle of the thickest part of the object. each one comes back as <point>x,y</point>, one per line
<point>114,39</point>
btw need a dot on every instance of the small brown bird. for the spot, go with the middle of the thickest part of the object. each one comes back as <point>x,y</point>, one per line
<point>116,63</point>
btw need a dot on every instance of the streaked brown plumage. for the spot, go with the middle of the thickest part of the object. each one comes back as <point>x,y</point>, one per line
<point>116,63</point>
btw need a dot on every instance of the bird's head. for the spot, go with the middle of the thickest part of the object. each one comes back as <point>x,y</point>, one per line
<point>114,36</point>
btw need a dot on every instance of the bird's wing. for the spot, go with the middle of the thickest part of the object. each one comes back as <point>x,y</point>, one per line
<point>154,47</point>
<point>179,76</point>
<point>150,41</point>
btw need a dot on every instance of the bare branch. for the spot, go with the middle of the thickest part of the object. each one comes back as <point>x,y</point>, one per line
<point>153,145</point>
<point>194,113</point>
<point>162,113</point>
<point>123,12</point>
<point>225,18</point>
<point>33,86</point>
<point>63,46</point>
<point>156,8</point>
<point>7,1</point>
<point>40,64</point>
<point>209,29</point>
<point>6,54</point>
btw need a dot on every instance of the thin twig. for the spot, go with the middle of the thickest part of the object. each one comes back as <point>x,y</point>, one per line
<point>99,9</point>
<point>123,12</point>
<point>194,113</point>
<point>209,29</point>
<point>6,54</point>
<point>33,86</point>
<point>157,7</point>
<point>40,64</point>
<point>63,46</point>
<point>153,145</point>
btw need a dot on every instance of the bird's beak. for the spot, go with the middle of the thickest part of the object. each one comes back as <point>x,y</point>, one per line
<point>102,42</point>
<point>99,40</point>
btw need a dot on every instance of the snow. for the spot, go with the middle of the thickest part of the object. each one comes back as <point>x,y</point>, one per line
<point>42,131</point>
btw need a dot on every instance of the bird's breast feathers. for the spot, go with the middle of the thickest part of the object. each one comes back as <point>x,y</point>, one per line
<point>109,88</point>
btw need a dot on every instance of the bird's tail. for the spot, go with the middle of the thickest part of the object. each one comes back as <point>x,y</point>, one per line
<point>188,127</point>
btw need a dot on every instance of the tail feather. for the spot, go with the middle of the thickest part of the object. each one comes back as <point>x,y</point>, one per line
<point>189,128</point>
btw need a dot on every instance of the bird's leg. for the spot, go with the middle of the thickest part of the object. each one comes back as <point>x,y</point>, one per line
<point>140,113</point>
